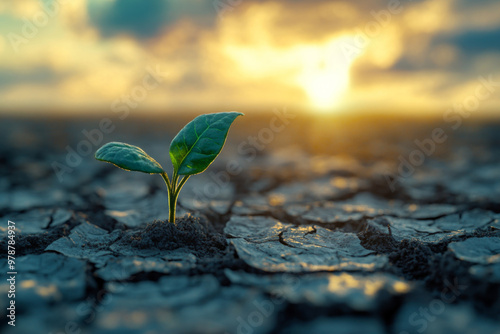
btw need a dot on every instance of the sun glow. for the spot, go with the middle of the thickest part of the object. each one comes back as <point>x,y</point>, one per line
<point>321,70</point>
<point>325,74</point>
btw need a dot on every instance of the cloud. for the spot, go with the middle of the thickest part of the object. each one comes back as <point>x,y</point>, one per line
<point>38,75</point>
<point>146,19</point>
<point>477,42</point>
<point>138,18</point>
<point>258,53</point>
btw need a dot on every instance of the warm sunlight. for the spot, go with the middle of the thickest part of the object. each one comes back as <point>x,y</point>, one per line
<point>320,70</point>
<point>325,73</point>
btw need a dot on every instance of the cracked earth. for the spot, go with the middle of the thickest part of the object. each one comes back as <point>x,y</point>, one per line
<point>309,236</point>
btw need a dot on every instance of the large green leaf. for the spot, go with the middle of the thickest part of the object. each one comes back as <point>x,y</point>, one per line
<point>128,157</point>
<point>198,144</point>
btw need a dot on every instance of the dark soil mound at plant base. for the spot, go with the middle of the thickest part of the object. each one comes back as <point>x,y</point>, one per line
<point>194,233</point>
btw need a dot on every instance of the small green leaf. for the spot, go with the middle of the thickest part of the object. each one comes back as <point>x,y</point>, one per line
<point>128,157</point>
<point>198,144</point>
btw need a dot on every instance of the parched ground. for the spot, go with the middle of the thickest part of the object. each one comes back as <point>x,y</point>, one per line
<point>302,225</point>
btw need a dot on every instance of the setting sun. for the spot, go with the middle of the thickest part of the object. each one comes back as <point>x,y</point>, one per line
<point>325,73</point>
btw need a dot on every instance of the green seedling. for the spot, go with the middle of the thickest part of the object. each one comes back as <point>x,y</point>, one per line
<point>193,149</point>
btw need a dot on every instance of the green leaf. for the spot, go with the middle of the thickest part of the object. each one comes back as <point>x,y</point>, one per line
<point>198,144</point>
<point>128,157</point>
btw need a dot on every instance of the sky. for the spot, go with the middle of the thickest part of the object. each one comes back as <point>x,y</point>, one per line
<point>320,56</point>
